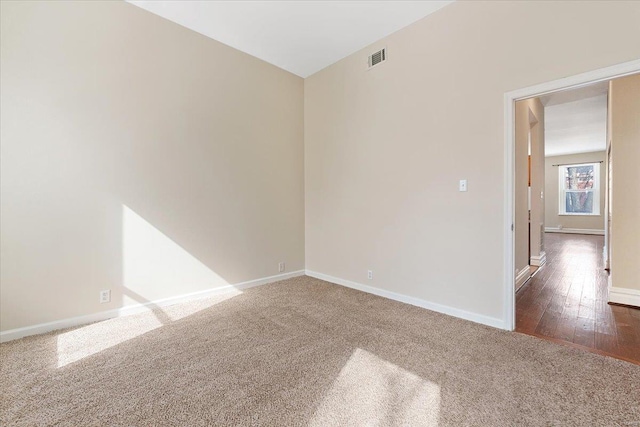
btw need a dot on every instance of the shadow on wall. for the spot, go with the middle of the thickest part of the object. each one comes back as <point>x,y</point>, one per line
<point>126,254</point>
<point>152,264</point>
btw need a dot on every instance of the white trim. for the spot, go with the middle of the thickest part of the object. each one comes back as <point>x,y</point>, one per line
<point>573,230</point>
<point>583,79</point>
<point>579,214</point>
<point>607,191</point>
<point>451,311</point>
<point>624,296</point>
<point>522,277</point>
<point>539,260</point>
<point>508,267</point>
<point>41,328</point>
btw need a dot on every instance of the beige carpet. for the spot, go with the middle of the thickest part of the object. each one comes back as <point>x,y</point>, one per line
<point>306,352</point>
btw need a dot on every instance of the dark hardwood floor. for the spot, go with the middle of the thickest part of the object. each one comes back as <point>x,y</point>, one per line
<point>566,301</point>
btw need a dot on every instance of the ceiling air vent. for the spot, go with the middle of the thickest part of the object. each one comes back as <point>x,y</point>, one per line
<point>378,57</point>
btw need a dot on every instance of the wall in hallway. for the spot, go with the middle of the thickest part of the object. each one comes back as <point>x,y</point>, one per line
<point>529,124</point>
<point>625,232</point>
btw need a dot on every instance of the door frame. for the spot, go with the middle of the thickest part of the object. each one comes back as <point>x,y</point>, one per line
<point>606,253</point>
<point>572,82</point>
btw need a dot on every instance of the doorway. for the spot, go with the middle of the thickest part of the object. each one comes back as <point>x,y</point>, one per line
<point>552,294</point>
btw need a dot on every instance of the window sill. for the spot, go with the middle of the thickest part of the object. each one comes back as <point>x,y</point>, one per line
<point>577,214</point>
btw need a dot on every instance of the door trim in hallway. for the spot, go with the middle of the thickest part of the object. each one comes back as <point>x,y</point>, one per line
<point>572,82</point>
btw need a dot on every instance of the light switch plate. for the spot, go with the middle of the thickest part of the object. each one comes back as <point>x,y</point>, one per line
<point>463,185</point>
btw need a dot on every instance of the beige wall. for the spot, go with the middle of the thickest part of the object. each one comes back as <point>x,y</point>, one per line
<point>529,120</point>
<point>384,149</point>
<point>582,222</point>
<point>141,157</point>
<point>625,142</point>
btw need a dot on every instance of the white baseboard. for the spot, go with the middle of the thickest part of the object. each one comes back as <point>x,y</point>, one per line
<point>41,328</point>
<point>573,230</point>
<point>522,276</point>
<point>624,296</point>
<point>538,261</point>
<point>451,311</point>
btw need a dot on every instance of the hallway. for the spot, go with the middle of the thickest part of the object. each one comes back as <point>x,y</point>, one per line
<point>566,301</point>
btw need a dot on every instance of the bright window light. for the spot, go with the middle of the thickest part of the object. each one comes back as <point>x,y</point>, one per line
<point>579,189</point>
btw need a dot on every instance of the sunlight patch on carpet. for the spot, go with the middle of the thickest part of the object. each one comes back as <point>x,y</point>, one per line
<point>373,391</point>
<point>92,339</point>
<point>88,340</point>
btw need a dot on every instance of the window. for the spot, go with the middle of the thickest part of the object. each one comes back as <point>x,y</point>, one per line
<point>579,189</point>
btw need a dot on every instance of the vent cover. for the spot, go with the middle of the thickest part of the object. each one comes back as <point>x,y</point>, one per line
<point>378,57</point>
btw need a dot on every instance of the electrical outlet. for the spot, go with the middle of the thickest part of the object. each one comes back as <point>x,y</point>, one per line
<point>281,267</point>
<point>105,296</point>
<point>369,274</point>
